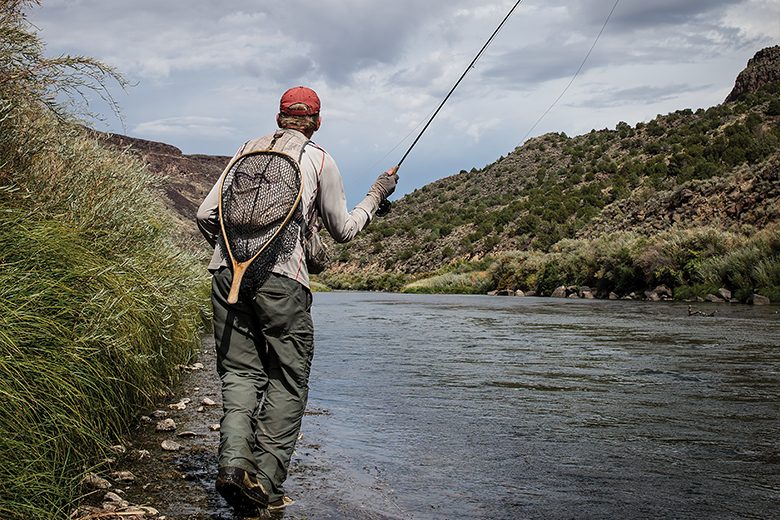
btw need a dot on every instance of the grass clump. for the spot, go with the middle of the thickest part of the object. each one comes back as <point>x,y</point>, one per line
<point>476,282</point>
<point>97,304</point>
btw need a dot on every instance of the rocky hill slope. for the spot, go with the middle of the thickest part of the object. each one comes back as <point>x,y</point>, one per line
<point>184,179</point>
<point>715,168</point>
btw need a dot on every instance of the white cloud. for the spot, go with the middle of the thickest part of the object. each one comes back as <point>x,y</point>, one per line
<point>186,125</point>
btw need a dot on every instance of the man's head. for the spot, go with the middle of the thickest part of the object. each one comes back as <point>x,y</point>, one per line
<point>299,109</point>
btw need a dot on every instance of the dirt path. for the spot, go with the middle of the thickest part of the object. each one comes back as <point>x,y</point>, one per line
<point>179,484</point>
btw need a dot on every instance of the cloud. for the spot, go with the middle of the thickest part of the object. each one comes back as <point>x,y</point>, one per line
<point>208,74</point>
<point>186,125</point>
<point>633,15</point>
<point>641,95</point>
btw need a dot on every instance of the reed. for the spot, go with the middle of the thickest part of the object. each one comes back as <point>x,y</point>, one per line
<point>98,304</point>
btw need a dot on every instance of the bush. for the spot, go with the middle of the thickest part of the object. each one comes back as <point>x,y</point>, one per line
<point>753,267</point>
<point>478,282</point>
<point>674,258</point>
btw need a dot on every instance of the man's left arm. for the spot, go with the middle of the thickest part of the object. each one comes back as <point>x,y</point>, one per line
<point>208,212</point>
<point>208,215</point>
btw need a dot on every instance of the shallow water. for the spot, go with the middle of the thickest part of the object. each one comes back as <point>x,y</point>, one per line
<point>449,407</point>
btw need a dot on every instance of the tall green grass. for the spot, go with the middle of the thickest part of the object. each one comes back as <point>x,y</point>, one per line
<point>475,282</point>
<point>97,303</point>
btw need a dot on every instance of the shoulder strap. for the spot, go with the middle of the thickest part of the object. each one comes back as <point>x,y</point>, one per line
<point>291,143</point>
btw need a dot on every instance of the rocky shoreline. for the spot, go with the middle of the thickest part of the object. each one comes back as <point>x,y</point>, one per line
<point>166,469</point>
<point>660,293</point>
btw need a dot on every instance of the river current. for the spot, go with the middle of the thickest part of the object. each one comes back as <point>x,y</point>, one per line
<point>476,407</point>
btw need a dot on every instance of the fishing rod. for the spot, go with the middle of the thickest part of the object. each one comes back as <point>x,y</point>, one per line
<point>384,207</point>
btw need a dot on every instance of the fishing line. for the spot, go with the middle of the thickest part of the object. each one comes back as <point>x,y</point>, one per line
<point>403,139</point>
<point>470,66</point>
<point>575,74</point>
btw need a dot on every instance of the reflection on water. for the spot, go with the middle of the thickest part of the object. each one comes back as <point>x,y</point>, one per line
<point>502,408</point>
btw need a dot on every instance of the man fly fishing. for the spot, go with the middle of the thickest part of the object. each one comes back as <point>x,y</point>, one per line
<point>261,217</point>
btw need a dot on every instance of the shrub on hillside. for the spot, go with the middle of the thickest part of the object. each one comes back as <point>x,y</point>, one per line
<point>754,267</point>
<point>674,258</point>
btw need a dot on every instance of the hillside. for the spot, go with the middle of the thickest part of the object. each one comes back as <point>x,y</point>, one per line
<point>712,170</point>
<point>716,167</point>
<point>184,179</point>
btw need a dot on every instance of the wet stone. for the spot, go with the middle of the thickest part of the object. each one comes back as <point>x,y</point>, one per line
<point>93,481</point>
<point>168,445</point>
<point>166,425</point>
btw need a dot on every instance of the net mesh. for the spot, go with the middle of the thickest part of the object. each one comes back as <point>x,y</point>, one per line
<point>258,193</point>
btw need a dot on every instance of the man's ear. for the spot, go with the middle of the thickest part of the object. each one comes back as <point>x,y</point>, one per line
<point>279,120</point>
<point>319,122</point>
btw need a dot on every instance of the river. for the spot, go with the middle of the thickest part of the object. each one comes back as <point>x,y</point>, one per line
<point>476,407</point>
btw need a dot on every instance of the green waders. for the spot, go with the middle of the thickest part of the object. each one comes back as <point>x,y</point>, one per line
<point>264,351</point>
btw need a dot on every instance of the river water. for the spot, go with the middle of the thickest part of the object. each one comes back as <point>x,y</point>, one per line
<point>476,407</point>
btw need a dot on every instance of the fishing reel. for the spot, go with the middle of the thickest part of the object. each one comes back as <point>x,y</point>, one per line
<point>384,208</point>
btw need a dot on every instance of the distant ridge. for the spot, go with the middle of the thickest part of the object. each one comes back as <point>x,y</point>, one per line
<point>186,179</point>
<point>762,70</point>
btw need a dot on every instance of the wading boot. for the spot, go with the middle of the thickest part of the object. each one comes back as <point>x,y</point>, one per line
<point>281,503</point>
<point>240,489</point>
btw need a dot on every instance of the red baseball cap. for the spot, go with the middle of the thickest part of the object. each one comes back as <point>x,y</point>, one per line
<point>300,96</point>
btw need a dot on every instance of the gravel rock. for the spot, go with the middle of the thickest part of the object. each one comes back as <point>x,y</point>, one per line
<point>125,476</point>
<point>170,445</point>
<point>93,481</point>
<point>181,405</point>
<point>166,425</point>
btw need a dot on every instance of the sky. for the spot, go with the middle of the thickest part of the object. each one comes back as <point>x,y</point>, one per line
<point>206,75</point>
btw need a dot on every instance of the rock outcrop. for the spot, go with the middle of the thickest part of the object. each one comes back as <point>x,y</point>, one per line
<point>762,69</point>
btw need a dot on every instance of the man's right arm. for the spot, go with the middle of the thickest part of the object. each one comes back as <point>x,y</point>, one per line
<point>332,204</point>
<point>208,212</point>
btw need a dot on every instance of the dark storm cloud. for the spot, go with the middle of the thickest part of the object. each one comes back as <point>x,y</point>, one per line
<point>632,15</point>
<point>639,32</point>
<point>346,36</point>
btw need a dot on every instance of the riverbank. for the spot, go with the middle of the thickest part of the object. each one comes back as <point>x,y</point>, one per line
<point>691,264</point>
<point>166,468</point>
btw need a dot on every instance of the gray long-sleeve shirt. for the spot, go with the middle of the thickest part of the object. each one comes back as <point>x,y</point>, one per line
<point>323,197</point>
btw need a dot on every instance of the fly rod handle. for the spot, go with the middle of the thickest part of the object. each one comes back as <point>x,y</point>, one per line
<point>385,205</point>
